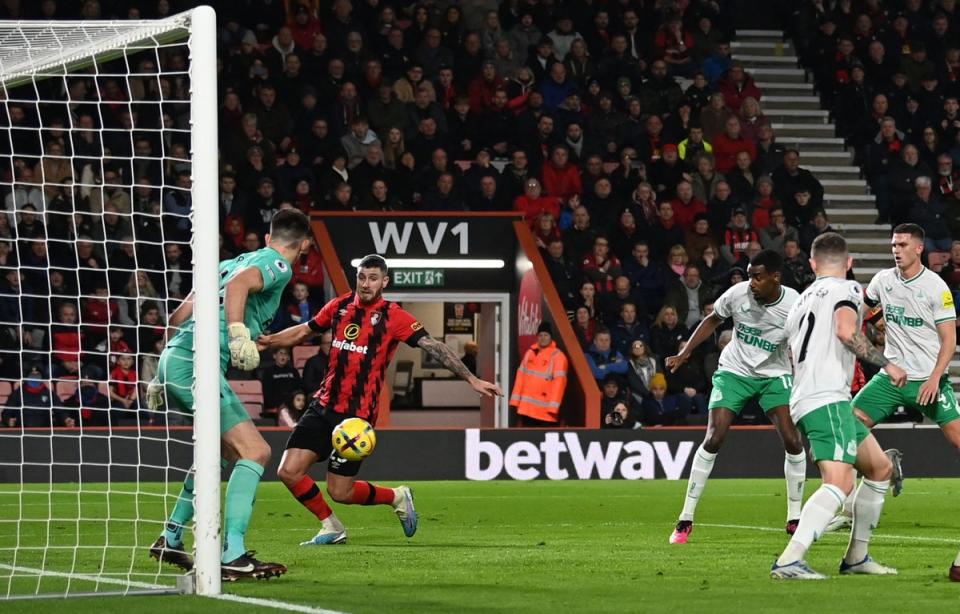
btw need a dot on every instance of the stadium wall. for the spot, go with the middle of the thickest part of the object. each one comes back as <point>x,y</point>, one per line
<point>474,454</point>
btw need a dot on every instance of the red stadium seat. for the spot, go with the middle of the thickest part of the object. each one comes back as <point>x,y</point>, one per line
<point>246,386</point>
<point>303,353</point>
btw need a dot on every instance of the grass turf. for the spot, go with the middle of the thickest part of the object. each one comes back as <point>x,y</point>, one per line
<point>553,546</point>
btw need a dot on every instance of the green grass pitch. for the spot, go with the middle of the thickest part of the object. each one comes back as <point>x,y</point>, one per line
<point>558,547</point>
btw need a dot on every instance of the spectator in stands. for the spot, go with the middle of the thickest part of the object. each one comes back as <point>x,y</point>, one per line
<point>627,329</point>
<point>689,383</point>
<point>738,237</point>
<point>777,231</point>
<point>279,382</point>
<point>797,263</point>
<point>615,405</point>
<point>737,86</point>
<point>667,172</point>
<point>663,409</point>
<point>123,391</point>
<point>291,409</point>
<point>688,297</point>
<point>603,359</point>
<point>667,332</point>
<point>951,270</point>
<point>532,203</point>
<point>315,368</point>
<point>884,151</point>
<point>601,267</point>
<point>584,327</point>
<point>790,179</point>
<point>903,174</point>
<point>641,367</point>
<point>731,142</point>
<point>88,405</point>
<point>819,225</point>
<point>930,213</point>
<point>686,207</point>
<point>31,404</point>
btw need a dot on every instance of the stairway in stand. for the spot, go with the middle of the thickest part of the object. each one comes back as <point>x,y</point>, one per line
<point>793,108</point>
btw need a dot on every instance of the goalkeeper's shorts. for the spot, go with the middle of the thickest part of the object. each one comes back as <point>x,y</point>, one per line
<point>175,372</point>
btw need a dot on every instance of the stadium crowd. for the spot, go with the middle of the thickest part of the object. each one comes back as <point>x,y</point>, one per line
<point>635,148</point>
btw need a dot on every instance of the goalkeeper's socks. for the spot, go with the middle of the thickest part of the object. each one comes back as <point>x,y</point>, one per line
<point>181,515</point>
<point>795,472</point>
<point>700,471</point>
<point>183,511</point>
<point>308,494</point>
<point>867,505</point>
<point>241,493</point>
<point>365,493</point>
<point>816,515</point>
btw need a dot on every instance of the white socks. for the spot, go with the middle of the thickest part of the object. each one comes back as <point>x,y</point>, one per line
<point>867,505</point>
<point>956,561</point>
<point>699,474</point>
<point>795,472</point>
<point>816,515</point>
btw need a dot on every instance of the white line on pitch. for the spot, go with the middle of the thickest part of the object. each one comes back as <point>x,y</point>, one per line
<point>81,576</point>
<point>881,535</point>
<point>278,605</point>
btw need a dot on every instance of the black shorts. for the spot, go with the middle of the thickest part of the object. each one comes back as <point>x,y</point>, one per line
<point>314,431</point>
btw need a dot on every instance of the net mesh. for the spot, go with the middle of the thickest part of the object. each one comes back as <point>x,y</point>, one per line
<point>95,254</point>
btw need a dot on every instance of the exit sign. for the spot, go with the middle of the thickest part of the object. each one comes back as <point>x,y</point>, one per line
<point>412,278</point>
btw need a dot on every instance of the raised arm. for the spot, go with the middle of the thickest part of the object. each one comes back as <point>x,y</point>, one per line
<point>848,332</point>
<point>182,313</point>
<point>445,356</point>
<point>704,331</point>
<point>288,337</point>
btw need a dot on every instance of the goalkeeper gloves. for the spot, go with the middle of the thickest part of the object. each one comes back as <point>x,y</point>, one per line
<point>243,350</point>
<point>155,395</point>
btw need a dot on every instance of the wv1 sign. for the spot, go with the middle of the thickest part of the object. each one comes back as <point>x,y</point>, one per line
<point>562,456</point>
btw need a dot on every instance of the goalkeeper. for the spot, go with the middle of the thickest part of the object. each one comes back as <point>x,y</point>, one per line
<point>251,286</point>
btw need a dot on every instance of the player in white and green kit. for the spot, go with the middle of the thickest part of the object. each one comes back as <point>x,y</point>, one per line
<point>921,336</point>
<point>251,288</point>
<point>753,366</point>
<point>825,336</point>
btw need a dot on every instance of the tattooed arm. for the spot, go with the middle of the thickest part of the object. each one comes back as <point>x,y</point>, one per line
<point>445,356</point>
<point>849,333</point>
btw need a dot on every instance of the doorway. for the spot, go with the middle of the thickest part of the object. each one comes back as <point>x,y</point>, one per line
<point>427,394</point>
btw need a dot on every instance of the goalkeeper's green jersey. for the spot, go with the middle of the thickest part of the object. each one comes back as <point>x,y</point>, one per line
<point>261,306</point>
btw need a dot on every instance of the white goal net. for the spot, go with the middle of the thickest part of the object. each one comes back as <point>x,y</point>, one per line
<point>107,140</point>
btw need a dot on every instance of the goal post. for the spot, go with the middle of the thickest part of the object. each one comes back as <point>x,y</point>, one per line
<point>109,188</point>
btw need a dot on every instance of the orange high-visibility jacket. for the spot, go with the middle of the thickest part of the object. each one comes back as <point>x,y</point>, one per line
<point>540,383</point>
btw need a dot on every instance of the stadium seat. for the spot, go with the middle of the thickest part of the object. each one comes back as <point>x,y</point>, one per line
<point>247,386</point>
<point>253,409</point>
<point>303,353</point>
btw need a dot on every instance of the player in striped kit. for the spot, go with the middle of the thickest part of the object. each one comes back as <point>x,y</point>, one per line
<point>753,366</point>
<point>824,328</point>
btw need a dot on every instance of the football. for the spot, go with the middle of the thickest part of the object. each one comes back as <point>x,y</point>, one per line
<point>354,439</point>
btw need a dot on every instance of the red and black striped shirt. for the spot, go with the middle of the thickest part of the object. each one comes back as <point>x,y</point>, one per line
<point>365,338</point>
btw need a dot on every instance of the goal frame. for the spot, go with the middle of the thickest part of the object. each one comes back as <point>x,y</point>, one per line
<point>21,62</point>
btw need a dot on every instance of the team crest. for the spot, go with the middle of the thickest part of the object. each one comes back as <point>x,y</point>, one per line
<point>374,318</point>
<point>343,312</point>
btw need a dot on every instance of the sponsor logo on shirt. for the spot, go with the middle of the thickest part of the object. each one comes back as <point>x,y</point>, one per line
<point>947,299</point>
<point>896,315</point>
<point>753,336</point>
<point>349,346</point>
<point>351,332</point>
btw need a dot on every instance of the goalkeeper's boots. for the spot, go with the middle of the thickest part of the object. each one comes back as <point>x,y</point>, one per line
<point>797,570</point>
<point>332,532</point>
<point>896,480</point>
<point>174,555</point>
<point>840,522</point>
<point>867,566</point>
<point>955,573</point>
<point>246,566</point>
<point>792,526</point>
<point>682,532</point>
<point>403,506</point>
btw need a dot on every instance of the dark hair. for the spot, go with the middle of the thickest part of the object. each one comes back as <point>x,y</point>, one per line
<point>601,330</point>
<point>913,230</point>
<point>769,259</point>
<point>289,226</point>
<point>829,245</point>
<point>373,261</point>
